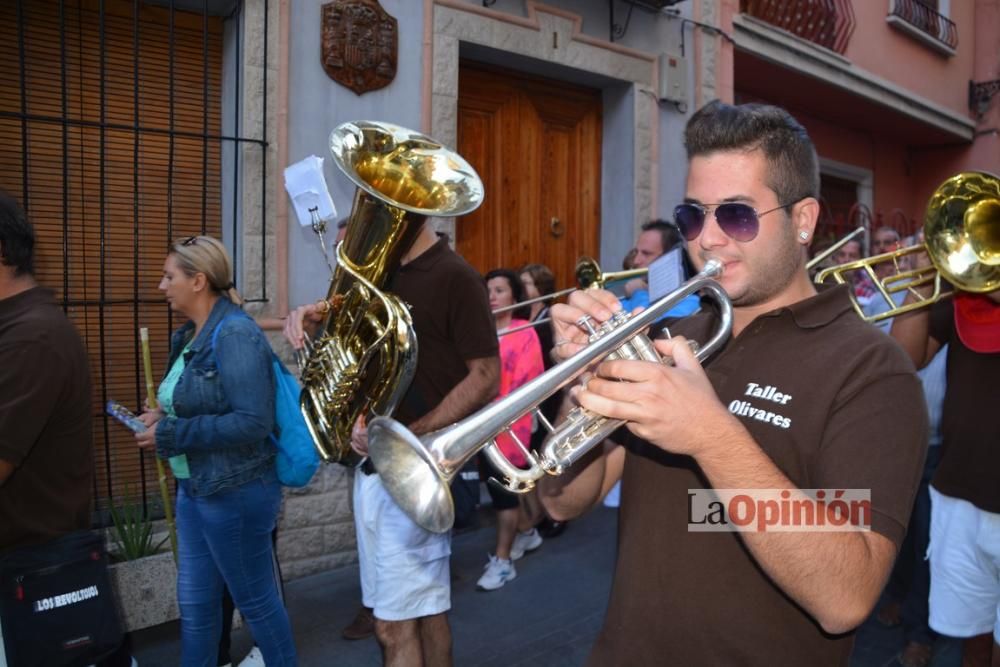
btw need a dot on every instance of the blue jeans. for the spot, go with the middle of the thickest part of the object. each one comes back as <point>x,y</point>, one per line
<point>225,537</point>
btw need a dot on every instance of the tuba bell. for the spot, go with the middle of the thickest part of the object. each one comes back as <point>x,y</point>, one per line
<point>363,358</point>
<point>416,471</point>
<point>961,238</point>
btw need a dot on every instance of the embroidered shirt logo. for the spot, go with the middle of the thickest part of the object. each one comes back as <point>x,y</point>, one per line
<point>744,408</point>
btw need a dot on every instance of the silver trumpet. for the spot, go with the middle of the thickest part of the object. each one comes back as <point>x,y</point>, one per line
<point>417,471</point>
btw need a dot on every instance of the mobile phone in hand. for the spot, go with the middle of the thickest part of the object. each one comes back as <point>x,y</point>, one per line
<point>125,416</point>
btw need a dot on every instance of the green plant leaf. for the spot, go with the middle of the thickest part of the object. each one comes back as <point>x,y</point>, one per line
<point>133,530</point>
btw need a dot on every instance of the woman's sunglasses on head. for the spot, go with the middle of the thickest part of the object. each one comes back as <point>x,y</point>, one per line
<point>740,222</point>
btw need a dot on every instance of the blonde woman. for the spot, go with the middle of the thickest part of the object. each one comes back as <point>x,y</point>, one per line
<point>213,425</point>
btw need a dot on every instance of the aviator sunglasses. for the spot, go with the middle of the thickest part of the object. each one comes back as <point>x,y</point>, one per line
<point>740,222</point>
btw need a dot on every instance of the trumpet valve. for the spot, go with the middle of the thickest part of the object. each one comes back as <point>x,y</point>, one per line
<point>586,322</point>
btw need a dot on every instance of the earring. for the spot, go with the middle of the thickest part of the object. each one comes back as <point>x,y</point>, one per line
<point>803,235</point>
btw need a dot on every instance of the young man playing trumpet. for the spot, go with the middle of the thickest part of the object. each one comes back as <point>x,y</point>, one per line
<point>804,396</point>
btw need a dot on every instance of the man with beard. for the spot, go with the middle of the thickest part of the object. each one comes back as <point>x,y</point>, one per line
<point>804,396</point>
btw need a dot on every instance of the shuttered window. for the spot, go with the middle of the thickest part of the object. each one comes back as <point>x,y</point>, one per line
<point>110,118</point>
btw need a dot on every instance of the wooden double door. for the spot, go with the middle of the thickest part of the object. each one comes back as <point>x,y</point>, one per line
<point>536,144</point>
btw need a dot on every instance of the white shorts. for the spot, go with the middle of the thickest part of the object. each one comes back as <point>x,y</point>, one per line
<point>404,568</point>
<point>964,553</point>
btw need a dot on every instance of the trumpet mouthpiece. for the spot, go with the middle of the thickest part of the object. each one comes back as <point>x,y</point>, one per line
<point>713,268</point>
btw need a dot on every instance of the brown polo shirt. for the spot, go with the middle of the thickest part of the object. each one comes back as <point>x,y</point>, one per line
<point>45,421</point>
<point>452,320</point>
<point>835,403</point>
<point>970,431</point>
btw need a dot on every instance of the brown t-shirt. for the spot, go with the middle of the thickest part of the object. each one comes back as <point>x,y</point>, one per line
<point>970,431</point>
<point>45,421</point>
<point>846,411</point>
<point>452,320</point>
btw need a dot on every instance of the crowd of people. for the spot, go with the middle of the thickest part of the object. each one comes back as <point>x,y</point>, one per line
<point>777,408</point>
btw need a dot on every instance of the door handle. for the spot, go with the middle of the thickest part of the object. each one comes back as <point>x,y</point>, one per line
<point>556,227</point>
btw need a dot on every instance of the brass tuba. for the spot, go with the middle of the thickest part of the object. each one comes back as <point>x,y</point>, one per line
<point>363,358</point>
<point>961,238</point>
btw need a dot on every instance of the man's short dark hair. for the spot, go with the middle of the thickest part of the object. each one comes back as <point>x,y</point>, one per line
<point>670,238</point>
<point>17,237</point>
<point>793,172</point>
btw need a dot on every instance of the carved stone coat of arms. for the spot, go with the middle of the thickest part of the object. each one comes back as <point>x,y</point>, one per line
<point>359,44</point>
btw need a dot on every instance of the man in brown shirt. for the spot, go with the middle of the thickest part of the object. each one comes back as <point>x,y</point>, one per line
<point>804,396</point>
<point>405,569</point>
<point>965,490</point>
<point>46,457</point>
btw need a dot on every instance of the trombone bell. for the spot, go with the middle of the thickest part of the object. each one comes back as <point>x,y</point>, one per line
<point>961,238</point>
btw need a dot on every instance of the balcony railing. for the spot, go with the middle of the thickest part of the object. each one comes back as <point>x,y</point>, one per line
<point>927,20</point>
<point>828,23</point>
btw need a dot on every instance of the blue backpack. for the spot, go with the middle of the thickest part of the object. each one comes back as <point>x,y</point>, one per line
<point>297,458</point>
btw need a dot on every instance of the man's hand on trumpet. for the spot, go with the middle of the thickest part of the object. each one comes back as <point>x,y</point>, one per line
<point>569,337</point>
<point>673,407</point>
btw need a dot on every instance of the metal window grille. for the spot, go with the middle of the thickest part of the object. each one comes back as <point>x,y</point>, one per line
<point>923,14</point>
<point>829,23</point>
<point>117,137</point>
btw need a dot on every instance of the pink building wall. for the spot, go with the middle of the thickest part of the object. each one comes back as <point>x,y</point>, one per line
<point>983,154</point>
<point>887,52</point>
<point>886,160</point>
<point>904,172</point>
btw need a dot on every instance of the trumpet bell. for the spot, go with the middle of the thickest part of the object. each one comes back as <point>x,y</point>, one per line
<point>404,462</point>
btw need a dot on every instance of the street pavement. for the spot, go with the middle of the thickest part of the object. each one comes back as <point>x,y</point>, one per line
<point>548,616</point>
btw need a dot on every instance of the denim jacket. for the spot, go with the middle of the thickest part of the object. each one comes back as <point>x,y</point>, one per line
<point>224,402</point>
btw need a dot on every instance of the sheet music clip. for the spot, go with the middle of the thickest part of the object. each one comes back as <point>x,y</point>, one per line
<point>318,224</point>
<point>319,227</point>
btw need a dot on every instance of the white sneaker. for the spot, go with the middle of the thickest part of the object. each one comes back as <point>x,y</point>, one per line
<point>498,572</point>
<point>254,659</point>
<point>525,542</point>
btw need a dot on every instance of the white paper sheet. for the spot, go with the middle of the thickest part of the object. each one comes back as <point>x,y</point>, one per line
<point>306,186</point>
<point>666,273</point>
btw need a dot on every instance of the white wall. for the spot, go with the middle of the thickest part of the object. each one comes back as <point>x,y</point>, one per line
<point>317,104</point>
